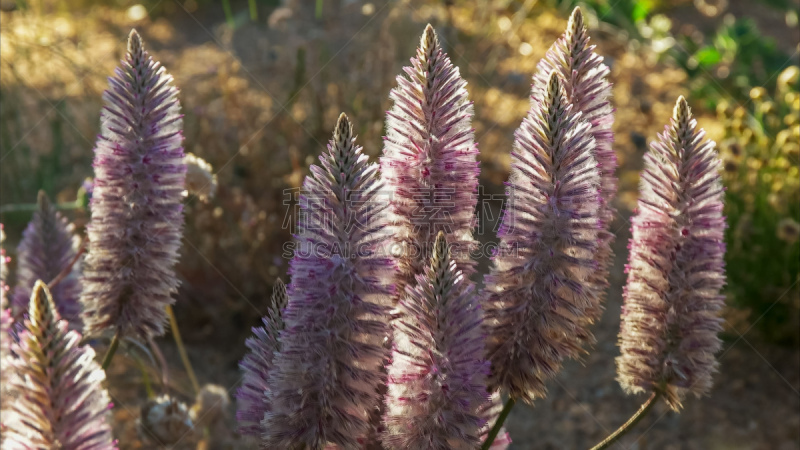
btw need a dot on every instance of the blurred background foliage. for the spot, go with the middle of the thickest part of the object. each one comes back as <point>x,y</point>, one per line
<point>263,81</point>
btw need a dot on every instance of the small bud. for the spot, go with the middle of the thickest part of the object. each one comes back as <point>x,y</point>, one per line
<point>201,181</point>
<point>210,405</point>
<point>165,420</point>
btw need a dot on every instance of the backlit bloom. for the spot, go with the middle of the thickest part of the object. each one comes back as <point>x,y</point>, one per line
<point>437,378</point>
<point>60,401</point>
<point>137,215</point>
<point>672,300</point>
<point>537,291</point>
<point>201,181</point>
<point>587,88</point>
<point>429,161</point>
<point>251,397</point>
<point>165,420</point>
<point>47,248</point>
<point>323,383</point>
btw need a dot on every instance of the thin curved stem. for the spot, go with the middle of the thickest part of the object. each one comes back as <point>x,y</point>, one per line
<point>161,362</point>
<point>111,350</point>
<point>68,268</point>
<point>145,376</point>
<point>499,423</point>
<point>643,410</point>
<point>176,333</point>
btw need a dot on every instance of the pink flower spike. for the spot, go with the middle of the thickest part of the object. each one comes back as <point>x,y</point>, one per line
<point>676,269</point>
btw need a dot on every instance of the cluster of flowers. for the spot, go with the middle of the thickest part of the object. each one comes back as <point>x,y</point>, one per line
<point>369,349</point>
<point>373,349</point>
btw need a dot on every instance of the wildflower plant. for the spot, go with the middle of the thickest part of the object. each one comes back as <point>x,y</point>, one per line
<point>437,376</point>
<point>252,395</point>
<point>49,247</point>
<point>137,215</point>
<point>429,162</point>
<point>670,318</point>
<point>59,398</point>
<point>324,381</point>
<point>537,294</point>
<point>382,340</point>
<point>587,88</point>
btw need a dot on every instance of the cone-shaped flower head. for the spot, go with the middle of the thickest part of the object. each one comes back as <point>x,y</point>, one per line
<point>60,400</point>
<point>672,300</point>
<point>429,161</point>
<point>48,247</point>
<point>587,88</point>
<point>137,215</point>
<point>437,377</point>
<point>324,381</point>
<point>537,290</point>
<point>252,397</point>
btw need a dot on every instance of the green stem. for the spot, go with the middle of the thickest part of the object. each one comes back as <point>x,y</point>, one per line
<point>111,350</point>
<point>499,423</point>
<point>318,10</point>
<point>226,6</point>
<point>253,10</point>
<point>176,333</point>
<point>643,410</point>
<point>68,268</point>
<point>145,377</point>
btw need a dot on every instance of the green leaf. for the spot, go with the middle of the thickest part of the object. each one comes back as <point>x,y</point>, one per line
<point>708,56</point>
<point>641,9</point>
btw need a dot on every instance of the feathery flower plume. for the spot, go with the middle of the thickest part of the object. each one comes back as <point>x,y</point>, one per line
<point>437,377</point>
<point>61,402</point>
<point>324,380</point>
<point>137,215</point>
<point>429,161</point>
<point>672,300</point>
<point>537,290</point>
<point>256,365</point>
<point>48,246</point>
<point>587,88</point>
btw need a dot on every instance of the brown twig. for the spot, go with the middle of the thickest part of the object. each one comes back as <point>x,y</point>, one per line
<point>66,270</point>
